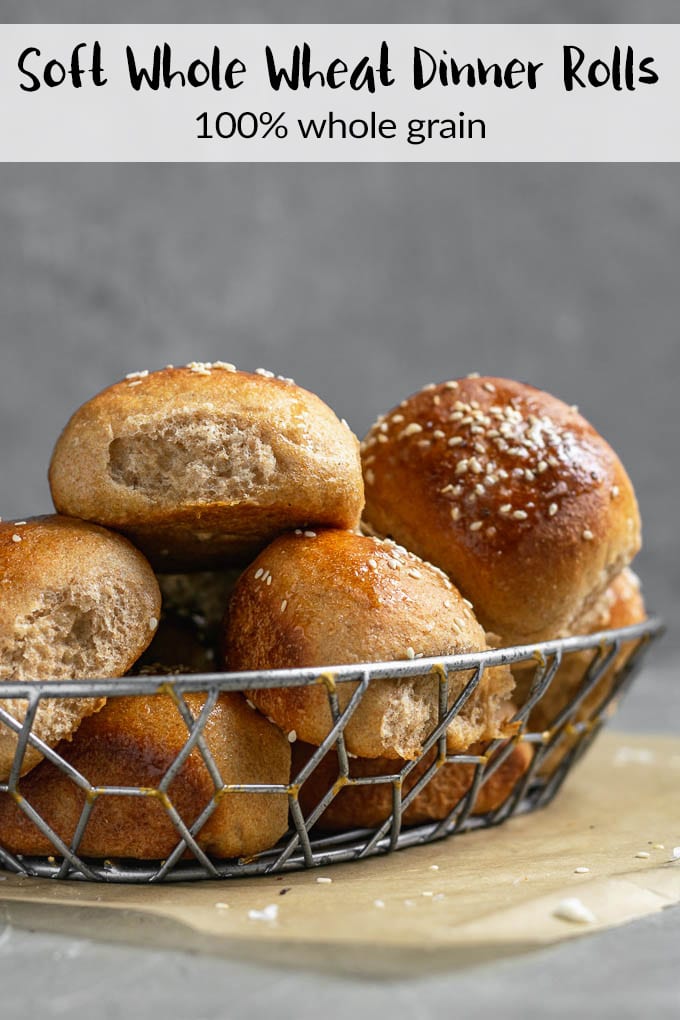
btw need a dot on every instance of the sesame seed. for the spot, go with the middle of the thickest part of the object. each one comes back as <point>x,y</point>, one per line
<point>16,538</point>
<point>614,491</point>
<point>284,604</point>
<point>473,375</point>
<point>505,509</point>
<point>542,466</point>
<point>310,534</point>
<point>438,434</point>
<point>479,447</point>
<point>383,427</point>
<point>451,385</point>
<point>468,603</point>
<point>489,387</point>
<point>447,488</point>
<point>373,563</point>
<point>17,524</point>
<point>412,429</point>
<point>369,476</point>
<point>382,438</point>
<point>423,443</point>
<point>298,531</point>
<point>574,408</point>
<point>476,525</point>
<point>552,509</point>
<point>410,654</point>
<point>265,373</point>
<point>415,573</point>
<point>396,419</point>
<point>520,515</point>
<point>479,489</point>
<point>153,623</point>
<point>587,535</point>
<point>226,366</point>
<point>199,367</point>
<point>581,871</point>
<point>258,573</point>
<point>643,854</point>
<point>461,467</point>
<point>138,375</point>
<point>269,578</point>
<point>430,386</point>
<point>427,892</point>
<point>455,441</point>
<point>658,846</point>
<point>292,736</point>
<point>135,382</point>
<point>529,475</point>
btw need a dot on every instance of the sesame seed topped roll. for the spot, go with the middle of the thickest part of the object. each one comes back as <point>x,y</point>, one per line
<point>333,597</point>
<point>511,492</point>
<point>202,465</point>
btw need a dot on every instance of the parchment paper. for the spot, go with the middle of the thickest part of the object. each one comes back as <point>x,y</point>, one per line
<point>460,901</point>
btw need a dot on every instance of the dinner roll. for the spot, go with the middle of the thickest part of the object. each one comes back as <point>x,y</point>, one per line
<point>132,742</point>
<point>621,605</point>
<point>366,807</point>
<point>511,492</point>
<point>75,601</point>
<point>333,597</point>
<point>202,466</point>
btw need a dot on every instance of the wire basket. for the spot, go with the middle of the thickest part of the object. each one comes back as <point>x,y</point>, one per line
<point>606,662</point>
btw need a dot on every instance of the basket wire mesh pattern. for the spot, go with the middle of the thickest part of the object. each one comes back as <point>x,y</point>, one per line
<point>571,731</point>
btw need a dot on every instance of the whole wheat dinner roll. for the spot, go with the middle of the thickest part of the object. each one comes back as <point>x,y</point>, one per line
<point>332,597</point>
<point>203,465</point>
<point>75,601</point>
<point>511,492</point>
<point>132,742</point>
<point>622,605</point>
<point>368,806</point>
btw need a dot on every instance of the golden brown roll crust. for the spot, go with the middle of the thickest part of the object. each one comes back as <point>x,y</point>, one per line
<point>368,806</point>
<point>622,605</point>
<point>203,465</point>
<point>75,601</point>
<point>132,742</point>
<point>511,492</point>
<point>332,597</point>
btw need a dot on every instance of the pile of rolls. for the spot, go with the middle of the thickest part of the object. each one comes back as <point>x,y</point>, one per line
<point>210,519</point>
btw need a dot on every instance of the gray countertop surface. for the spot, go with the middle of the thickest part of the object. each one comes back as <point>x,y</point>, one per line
<point>364,283</point>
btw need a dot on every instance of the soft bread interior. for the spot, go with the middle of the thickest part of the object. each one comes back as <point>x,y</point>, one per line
<point>72,632</point>
<point>191,456</point>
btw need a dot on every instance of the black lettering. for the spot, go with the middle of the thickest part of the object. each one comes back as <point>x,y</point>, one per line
<point>139,75</point>
<point>34,81</point>
<point>572,53</point>
<point>647,76</point>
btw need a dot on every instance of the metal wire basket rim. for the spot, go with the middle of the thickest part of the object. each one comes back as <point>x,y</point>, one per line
<point>342,673</point>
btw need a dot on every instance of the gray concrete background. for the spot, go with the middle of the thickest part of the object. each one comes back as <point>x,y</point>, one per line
<point>364,283</point>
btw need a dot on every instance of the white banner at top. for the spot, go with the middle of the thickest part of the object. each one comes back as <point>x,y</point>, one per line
<point>340,93</point>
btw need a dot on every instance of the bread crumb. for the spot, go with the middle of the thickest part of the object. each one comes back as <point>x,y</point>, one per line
<point>581,871</point>
<point>572,909</point>
<point>270,913</point>
<point>322,880</point>
<point>643,854</point>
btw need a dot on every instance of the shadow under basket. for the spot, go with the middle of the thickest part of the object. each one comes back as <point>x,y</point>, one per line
<point>556,721</point>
